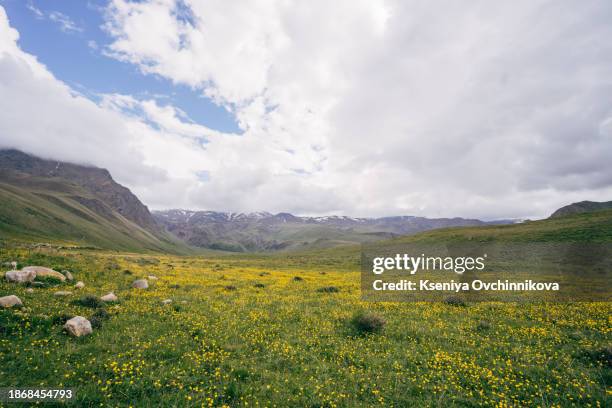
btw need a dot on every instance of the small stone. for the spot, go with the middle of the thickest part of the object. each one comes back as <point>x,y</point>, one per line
<point>68,275</point>
<point>152,277</point>
<point>79,285</point>
<point>29,290</point>
<point>78,326</point>
<point>166,301</point>
<point>111,297</point>
<point>63,293</point>
<point>20,276</point>
<point>140,284</point>
<point>10,301</point>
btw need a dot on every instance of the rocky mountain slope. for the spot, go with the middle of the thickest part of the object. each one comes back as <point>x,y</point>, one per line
<point>44,200</point>
<point>581,207</point>
<point>263,231</point>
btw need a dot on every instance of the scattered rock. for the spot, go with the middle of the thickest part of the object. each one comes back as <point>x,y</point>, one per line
<point>20,276</point>
<point>68,275</point>
<point>79,285</point>
<point>42,272</point>
<point>152,277</point>
<point>78,326</point>
<point>140,284</point>
<point>63,293</point>
<point>29,290</point>
<point>166,301</point>
<point>111,297</point>
<point>10,301</point>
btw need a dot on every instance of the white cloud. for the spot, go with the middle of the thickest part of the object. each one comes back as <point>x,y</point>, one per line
<point>395,107</point>
<point>368,107</point>
<point>65,23</point>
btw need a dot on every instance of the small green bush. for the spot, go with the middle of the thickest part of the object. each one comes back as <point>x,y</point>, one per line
<point>368,322</point>
<point>89,301</point>
<point>329,289</point>
<point>455,301</point>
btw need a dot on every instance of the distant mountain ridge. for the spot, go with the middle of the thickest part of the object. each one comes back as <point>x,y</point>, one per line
<point>264,231</point>
<point>581,207</point>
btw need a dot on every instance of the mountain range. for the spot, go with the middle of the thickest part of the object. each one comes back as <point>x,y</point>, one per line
<point>51,201</point>
<point>263,231</point>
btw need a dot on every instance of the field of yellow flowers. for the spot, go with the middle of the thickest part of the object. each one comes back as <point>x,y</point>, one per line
<point>262,331</point>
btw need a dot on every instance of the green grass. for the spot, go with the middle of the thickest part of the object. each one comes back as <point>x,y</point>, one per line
<point>277,341</point>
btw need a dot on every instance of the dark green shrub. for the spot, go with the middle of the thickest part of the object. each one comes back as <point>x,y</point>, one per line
<point>368,322</point>
<point>455,301</point>
<point>298,278</point>
<point>329,289</point>
<point>259,285</point>
<point>89,301</point>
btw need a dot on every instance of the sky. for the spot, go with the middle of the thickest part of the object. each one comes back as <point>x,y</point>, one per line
<point>364,107</point>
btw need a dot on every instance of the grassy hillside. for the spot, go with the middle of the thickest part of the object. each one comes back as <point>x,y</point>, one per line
<point>46,210</point>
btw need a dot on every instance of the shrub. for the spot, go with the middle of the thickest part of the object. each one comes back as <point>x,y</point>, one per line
<point>89,301</point>
<point>259,285</point>
<point>127,272</point>
<point>298,278</point>
<point>101,314</point>
<point>61,318</point>
<point>455,301</point>
<point>368,322</point>
<point>175,286</point>
<point>96,322</point>
<point>329,289</point>
<point>602,356</point>
<point>230,287</point>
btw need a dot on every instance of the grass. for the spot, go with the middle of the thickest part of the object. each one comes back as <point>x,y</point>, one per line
<point>288,343</point>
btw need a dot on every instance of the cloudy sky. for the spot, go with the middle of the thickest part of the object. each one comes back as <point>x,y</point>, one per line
<point>485,109</point>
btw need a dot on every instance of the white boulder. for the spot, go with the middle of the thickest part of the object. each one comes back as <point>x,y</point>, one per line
<point>79,285</point>
<point>111,297</point>
<point>140,284</point>
<point>78,326</point>
<point>42,272</point>
<point>20,276</point>
<point>10,301</point>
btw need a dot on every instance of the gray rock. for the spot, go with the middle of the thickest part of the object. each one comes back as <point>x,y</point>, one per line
<point>10,301</point>
<point>152,277</point>
<point>111,297</point>
<point>79,285</point>
<point>78,326</point>
<point>63,293</point>
<point>140,284</point>
<point>42,272</point>
<point>166,301</point>
<point>68,275</point>
<point>20,276</point>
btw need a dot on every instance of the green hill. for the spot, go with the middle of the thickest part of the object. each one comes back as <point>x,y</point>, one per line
<point>66,204</point>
